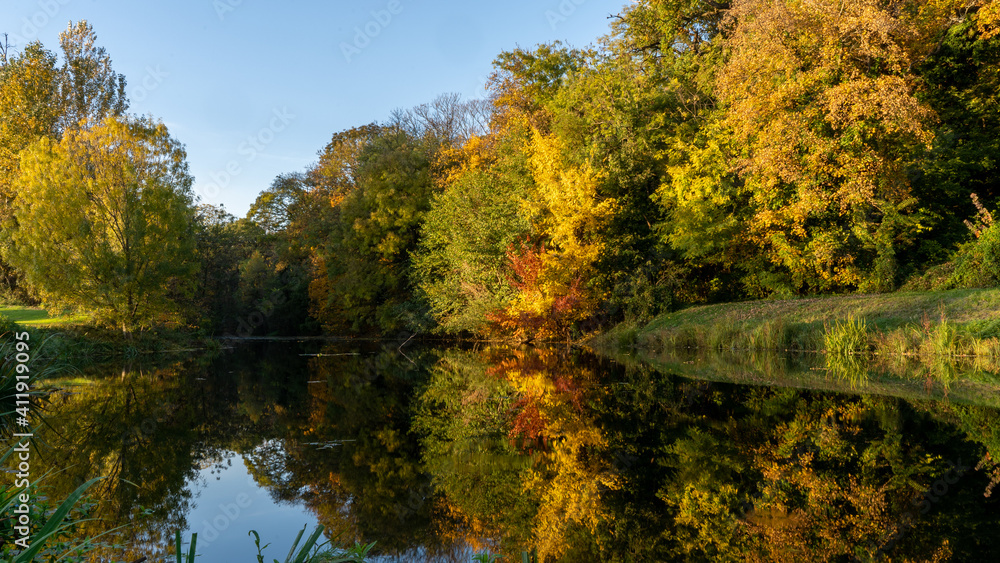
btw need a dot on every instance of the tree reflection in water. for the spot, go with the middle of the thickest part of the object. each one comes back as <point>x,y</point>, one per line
<point>437,453</point>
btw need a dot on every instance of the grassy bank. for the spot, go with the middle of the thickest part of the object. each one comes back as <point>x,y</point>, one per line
<point>958,322</point>
<point>928,344</point>
<point>70,342</point>
<point>36,316</point>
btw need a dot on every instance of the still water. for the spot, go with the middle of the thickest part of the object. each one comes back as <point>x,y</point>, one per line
<point>437,454</point>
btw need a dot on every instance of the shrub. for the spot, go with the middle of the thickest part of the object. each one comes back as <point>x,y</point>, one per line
<point>977,263</point>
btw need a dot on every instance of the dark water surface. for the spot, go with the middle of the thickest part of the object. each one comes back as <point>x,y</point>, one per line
<point>437,454</point>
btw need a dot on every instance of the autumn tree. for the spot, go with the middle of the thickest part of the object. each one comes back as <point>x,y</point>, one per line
<point>366,257</point>
<point>504,195</point>
<point>820,99</point>
<point>104,221</point>
<point>89,88</point>
<point>566,214</point>
<point>29,107</point>
<point>39,98</point>
<point>460,265</point>
<point>28,111</point>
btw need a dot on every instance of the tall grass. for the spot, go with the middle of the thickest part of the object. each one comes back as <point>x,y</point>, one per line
<point>847,337</point>
<point>49,526</point>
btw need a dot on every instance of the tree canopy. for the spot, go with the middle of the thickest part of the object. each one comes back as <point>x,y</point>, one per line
<point>701,151</point>
<point>104,221</point>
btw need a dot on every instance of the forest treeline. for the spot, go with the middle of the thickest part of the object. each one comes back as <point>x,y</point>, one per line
<point>702,151</point>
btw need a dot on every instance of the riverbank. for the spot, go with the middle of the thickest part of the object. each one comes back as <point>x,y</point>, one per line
<point>73,343</point>
<point>942,344</point>
<point>903,321</point>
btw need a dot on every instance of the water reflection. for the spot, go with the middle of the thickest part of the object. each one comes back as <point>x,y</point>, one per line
<point>436,454</point>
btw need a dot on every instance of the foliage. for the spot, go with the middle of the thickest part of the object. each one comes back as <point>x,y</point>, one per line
<point>977,262</point>
<point>222,244</point>
<point>39,99</point>
<point>822,98</point>
<point>551,278</point>
<point>104,221</point>
<point>273,269</point>
<point>461,265</point>
<point>702,151</point>
<point>367,258</point>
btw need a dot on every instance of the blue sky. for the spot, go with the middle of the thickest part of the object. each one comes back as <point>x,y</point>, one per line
<point>255,88</point>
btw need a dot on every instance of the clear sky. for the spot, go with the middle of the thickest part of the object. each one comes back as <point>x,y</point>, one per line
<point>255,88</point>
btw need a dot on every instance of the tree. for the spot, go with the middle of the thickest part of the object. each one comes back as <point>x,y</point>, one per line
<point>39,99</point>
<point>961,82</point>
<point>821,99</point>
<point>105,221</point>
<point>223,243</point>
<point>461,266</point>
<point>271,210</point>
<point>447,118</point>
<point>366,260</point>
<point>89,88</point>
<point>29,110</point>
<point>553,280</point>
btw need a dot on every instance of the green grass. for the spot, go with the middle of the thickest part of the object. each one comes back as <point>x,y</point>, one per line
<point>846,337</point>
<point>928,338</point>
<point>35,316</point>
<point>802,324</point>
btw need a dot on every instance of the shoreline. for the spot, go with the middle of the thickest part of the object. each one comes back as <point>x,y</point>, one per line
<point>934,345</point>
<point>805,323</point>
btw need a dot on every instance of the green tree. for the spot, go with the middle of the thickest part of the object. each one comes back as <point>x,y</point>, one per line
<point>961,81</point>
<point>291,216</point>
<point>89,88</point>
<point>461,265</point>
<point>648,109</point>
<point>366,261</point>
<point>104,221</point>
<point>223,243</point>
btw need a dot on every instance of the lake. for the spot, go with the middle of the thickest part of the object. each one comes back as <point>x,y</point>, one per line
<point>439,453</point>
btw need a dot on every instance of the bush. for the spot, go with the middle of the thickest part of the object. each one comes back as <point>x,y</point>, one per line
<point>643,296</point>
<point>977,263</point>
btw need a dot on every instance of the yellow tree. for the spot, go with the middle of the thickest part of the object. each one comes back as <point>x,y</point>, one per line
<point>565,209</point>
<point>988,19</point>
<point>28,111</point>
<point>104,221</point>
<point>821,96</point>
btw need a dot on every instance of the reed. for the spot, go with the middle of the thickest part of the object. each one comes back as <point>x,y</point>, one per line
<point>847,337</point>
